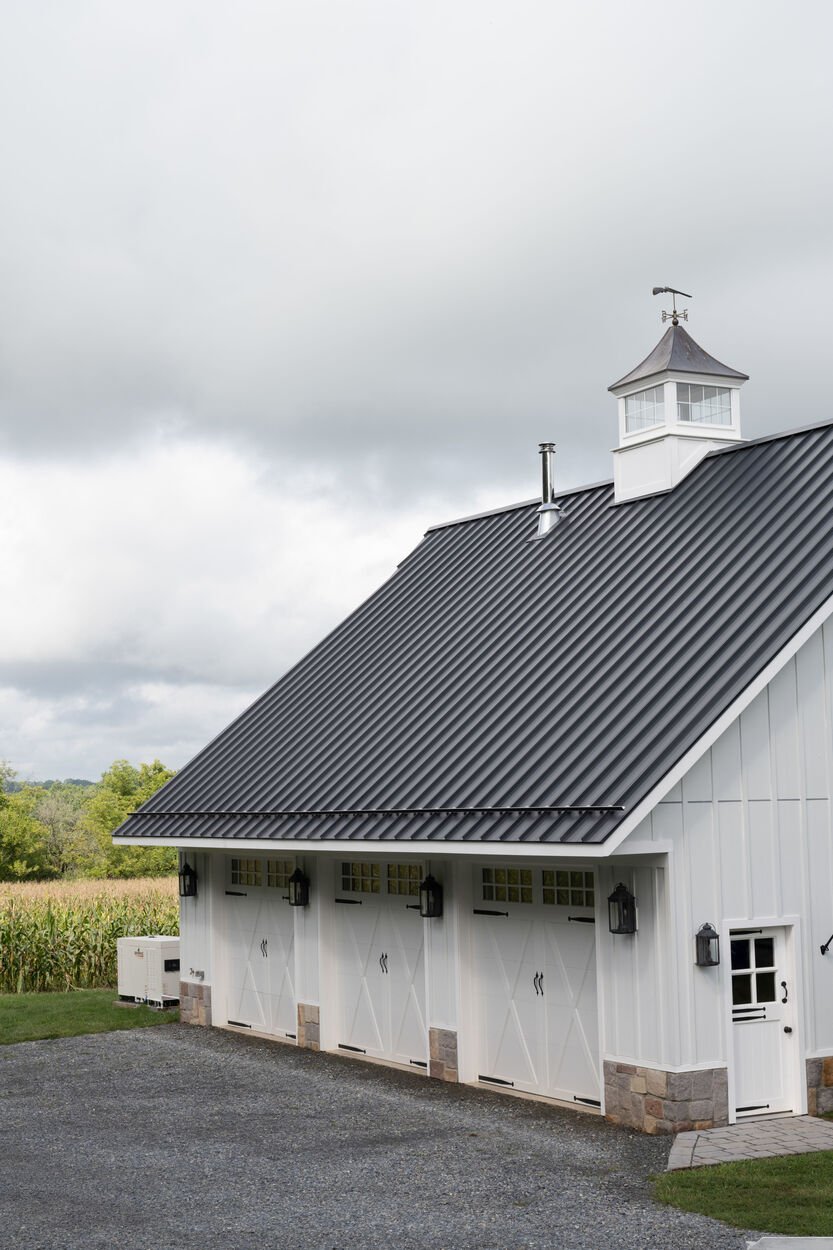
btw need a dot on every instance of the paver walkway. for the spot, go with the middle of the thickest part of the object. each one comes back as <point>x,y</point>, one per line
<point>751,1139</point>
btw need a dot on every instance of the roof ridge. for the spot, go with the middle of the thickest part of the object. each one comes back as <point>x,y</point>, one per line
<point>516,507</point>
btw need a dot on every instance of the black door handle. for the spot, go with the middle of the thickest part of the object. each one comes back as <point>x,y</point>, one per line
<point>787,1029</point>
<point>541,982</point>
<point>784,988</point>
<point>263,948</point>
<point>535,983</point>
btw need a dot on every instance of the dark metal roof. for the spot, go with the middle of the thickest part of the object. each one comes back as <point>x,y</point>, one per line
<point>495,671</point>
<point>676,352</point>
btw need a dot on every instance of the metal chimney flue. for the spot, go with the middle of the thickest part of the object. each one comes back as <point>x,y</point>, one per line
<point>549,513</point>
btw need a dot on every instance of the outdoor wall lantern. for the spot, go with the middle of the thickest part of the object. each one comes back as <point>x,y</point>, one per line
<point>298,889</point>
<point>187,881</point>
<point>621,906</point>
<point>430,898</point>
<point>708,946</point>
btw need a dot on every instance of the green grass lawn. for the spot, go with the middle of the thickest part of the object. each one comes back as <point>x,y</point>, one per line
<point>792,1194</point>
<point>32,1017</point>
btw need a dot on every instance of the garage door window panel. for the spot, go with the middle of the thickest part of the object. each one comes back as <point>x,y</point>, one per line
<point>246,872</point>
<point>507,885</point>
<point>278,872</point>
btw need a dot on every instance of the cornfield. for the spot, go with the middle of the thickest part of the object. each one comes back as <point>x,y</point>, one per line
<point>62,935</point>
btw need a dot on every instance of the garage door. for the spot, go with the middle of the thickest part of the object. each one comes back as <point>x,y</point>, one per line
<point>535,981</point>
<point>260,960</point>
<point>381,969</point>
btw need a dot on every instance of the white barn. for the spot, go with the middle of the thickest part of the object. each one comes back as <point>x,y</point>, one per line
<point>581,731</point>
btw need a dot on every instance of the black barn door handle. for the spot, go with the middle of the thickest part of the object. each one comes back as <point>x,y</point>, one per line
<point>784,988</point>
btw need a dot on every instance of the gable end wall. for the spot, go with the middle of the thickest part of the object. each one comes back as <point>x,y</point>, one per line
<point>751,831</point>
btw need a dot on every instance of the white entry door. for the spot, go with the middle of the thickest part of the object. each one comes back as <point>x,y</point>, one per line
<point>260,955</point>
<point>381,968</point>
<point>763,1020</point>
<point>534,951</point>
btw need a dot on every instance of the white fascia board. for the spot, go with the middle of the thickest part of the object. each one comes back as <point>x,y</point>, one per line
<point>424,848</point>
<point>722,723</point>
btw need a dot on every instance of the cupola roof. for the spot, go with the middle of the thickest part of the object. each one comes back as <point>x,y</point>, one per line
<point>676,352</point>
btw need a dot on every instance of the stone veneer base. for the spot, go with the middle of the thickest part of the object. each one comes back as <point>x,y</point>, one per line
<point>820,1085</point>
<point>442,1054</point>
<point>194,1003</point>
<point>309,1028</point>
<point>655,1101</point>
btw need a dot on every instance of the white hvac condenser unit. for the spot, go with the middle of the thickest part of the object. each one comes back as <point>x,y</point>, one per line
<point>149,969</point>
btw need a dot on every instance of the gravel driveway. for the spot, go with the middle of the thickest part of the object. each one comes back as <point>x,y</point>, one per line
<point>176,1137</point>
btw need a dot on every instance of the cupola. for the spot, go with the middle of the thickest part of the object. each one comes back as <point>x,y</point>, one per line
<point>675,407</point>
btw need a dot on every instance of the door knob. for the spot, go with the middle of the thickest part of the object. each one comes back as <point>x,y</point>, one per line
<point>787,1029</point>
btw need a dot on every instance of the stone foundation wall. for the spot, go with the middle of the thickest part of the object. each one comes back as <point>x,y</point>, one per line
<point>820,1085</point>
<point>654,1101</point>
<point>442,1053</point>
<point>194,1003</point>
<point>309,1028</point>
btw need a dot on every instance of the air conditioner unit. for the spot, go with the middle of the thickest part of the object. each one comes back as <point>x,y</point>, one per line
<point>149,969</point>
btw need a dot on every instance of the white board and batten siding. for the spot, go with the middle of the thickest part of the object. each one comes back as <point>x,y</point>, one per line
<point>751,844</point>
<point>195,921</point>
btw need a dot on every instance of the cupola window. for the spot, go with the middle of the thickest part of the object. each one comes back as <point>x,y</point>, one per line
<point>644,409</point>
<point>705,405</point>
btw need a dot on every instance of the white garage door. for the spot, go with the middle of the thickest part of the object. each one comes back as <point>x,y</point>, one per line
<point>535,981</point>
<point>260,958</point>
<point>381,969</point>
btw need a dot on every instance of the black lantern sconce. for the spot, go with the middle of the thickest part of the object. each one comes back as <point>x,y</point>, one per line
<point>708,946</point>
<point>621,906</point>
<point>298,889</point>
<point>187,881</point>
<point>430,898</point>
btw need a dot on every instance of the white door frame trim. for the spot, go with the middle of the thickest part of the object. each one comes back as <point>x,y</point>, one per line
<point>791,925</point>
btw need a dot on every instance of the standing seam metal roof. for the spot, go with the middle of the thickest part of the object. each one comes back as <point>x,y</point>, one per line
<point>495,671</point>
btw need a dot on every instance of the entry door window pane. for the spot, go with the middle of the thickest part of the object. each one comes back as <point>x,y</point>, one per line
<point>765,987</point>
<point>740,953</point>
<point>742,989</point>
<point>753,971</point>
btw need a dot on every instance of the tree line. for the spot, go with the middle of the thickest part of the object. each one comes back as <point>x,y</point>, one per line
<point>62,828</point>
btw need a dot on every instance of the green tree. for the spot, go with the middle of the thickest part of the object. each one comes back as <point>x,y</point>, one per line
<point>23,839</point>
<point>70,845</point>
<point>121,790</point>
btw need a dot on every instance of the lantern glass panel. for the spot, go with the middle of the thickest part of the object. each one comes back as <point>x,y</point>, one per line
<point>622,910</point>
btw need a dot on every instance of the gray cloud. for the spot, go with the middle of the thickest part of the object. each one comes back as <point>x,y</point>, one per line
<point>310,275</point>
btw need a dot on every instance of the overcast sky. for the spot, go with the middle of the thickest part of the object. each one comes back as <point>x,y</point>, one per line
<point>283,283</point>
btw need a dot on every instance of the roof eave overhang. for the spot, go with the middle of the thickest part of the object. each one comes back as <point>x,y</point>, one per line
<point>421,849</point>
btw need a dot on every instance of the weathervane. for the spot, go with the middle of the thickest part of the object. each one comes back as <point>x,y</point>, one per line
<point>674,314</point>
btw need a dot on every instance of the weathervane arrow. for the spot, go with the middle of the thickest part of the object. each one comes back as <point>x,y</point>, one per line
<point>674,314</point>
